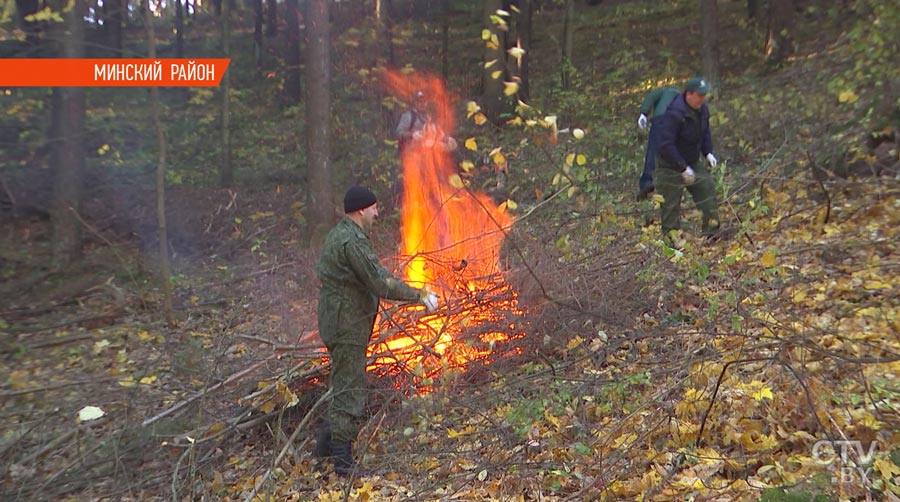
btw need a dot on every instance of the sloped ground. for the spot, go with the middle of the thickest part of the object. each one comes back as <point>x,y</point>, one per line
<point>762,346</point>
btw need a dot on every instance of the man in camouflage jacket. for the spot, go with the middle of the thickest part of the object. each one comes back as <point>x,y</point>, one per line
<point>353,281</point>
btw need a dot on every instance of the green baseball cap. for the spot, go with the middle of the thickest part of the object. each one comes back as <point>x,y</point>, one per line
<point>697,84</point>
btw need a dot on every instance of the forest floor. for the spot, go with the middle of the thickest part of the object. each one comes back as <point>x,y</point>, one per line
<point>709,370</point>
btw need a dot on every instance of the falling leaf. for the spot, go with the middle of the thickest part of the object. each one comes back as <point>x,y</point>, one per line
<point>471,144</point>
<point>570,159</point>
<point>496,74</point>
<point>480,118</point>
<point>517,52</point>
<point>485,34</point>
<point>89,413</point>
<point>578,133</point>
<point>510,88</point>
<point>511,204</point>
<point>466,166</point>
<point>472,108</point>
<point>488,64</point>
<point>455,181</point>
<point>581,159</point>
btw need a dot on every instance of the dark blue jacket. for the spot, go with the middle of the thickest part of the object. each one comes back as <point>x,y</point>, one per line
<point>681,139</point>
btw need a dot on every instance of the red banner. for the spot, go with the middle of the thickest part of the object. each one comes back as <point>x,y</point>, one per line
<point>112,72</point>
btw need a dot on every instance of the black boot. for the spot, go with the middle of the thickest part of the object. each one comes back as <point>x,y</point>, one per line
<point>323,440</point>
<point>344,465</point>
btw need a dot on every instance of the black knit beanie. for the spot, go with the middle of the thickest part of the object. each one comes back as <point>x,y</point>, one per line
<point>358,198</point>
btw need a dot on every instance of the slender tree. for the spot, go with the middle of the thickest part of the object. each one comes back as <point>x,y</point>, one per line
<point>293,93</point>
<point>710,15</point>
<point>226,174</point>
<point>568,37</point>
<point>164,270</point>
<point>67,136</point>
<point>445,39</point>
<point>318,116</point>
<point>180,8</point>
<point>258,33</point>
<point>113,22</point>
<point>272,11</point>
<point>755,9</point>
<point>780,37</point>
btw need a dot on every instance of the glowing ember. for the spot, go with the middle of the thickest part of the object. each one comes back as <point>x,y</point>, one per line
<point>452,238</point>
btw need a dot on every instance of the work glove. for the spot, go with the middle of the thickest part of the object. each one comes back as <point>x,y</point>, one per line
<point>642,121</point>
<point>430,300</point>
<point>688,176</point>
<point>712,159</point>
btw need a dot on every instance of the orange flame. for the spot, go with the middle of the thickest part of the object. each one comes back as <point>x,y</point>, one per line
<point>446,228</point>
<point>451,237</point>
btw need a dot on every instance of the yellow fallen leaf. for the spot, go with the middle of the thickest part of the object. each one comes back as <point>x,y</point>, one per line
<point>510,88</point>
<point>581,159</point>
<point>511,204</point>
<point>578,133</point>
<point>147,380</point>
<point>570,159</point>
<point>480,118</point>
<point>848,96</point>
<point>768,259</point>
<point>466,166</point>
<point>763,393</point>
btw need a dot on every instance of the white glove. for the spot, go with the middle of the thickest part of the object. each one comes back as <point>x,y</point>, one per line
<point>688,176</point>
<point>642,121</point>
<point>430,300</point>
<point>712,159</point>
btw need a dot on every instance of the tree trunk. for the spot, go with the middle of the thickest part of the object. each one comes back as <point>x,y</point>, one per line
<point>318,117</point>
<point>755,9</point>
<point>445,40</point>
<point>258,33</point>
<point>710,13</point>
<point>113,19</point>
<point>780,38</point>
<point>68,117</point>
<point>385,21</point>
<point>272,11</point>
<point>494,102</point>
<point>293,92</point>
<point>226,174</point>
<point>164,272</point>
<point>523,31</point>
<point>180,8</point>
<point>568,37</point>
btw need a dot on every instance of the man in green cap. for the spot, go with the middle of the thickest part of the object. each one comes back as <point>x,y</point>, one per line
<point>684,138</point>
<point>353,281</point>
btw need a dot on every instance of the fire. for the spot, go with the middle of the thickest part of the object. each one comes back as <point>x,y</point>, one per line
<point>451,237</point>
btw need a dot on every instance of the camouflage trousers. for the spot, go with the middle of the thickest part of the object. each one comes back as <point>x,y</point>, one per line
<point>348,388</point>
<point>671,186</point>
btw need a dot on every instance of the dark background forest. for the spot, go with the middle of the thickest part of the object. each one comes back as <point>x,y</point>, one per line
<point>157,286</point>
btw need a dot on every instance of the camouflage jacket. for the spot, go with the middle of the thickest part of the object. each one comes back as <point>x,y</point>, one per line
<point>353,281</point>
